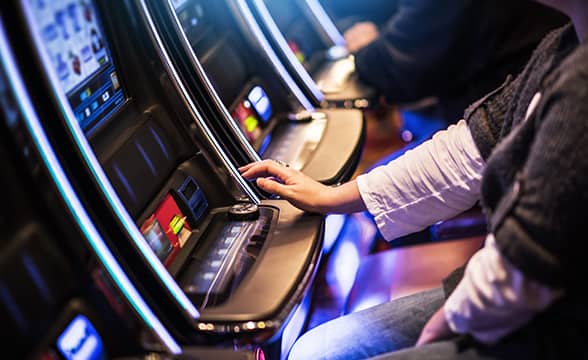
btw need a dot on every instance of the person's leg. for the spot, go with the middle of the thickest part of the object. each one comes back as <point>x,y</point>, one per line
<point>436,351</point>
<point>458,349</point>
<point>529,342</point>
<point>381,329</point>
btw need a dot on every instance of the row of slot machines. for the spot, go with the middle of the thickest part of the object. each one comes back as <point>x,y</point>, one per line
<point>127,229</point>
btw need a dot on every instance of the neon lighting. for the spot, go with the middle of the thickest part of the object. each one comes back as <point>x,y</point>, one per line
<point>253,155</point>
<point>273,57</point>
<point>74,205</point>
<point>325,21</point>
<point>105,185</point>
<point>189,102</point>
<point>287,51</point>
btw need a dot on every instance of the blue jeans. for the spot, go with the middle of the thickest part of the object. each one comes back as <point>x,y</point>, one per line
<point>377,330</point>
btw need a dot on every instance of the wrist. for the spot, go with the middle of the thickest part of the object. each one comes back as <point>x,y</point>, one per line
<point>326,200</point>
<point>343,199</point>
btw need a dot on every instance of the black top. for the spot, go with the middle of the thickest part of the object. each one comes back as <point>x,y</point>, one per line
<point>457,53</point>
<point>535,184</point>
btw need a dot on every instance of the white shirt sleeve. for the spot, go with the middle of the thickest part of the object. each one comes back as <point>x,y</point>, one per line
<point>435,181</point>
<point>494,298</point>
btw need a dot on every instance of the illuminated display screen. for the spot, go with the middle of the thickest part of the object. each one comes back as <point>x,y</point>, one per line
<point>248,120</point>
<point>253,112</point>
<point>157,239</point>
<point>76,45</point>
<point>258,98</point>
<point>81,341</point>
<point>297,51</point>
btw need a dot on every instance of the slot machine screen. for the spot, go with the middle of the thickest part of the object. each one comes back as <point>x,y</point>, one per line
<point>81,341</point>
<point>253,113</point>
<point>74,40</point>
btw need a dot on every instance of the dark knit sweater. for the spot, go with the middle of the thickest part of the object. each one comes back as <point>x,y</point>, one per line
<point>535,190</point>
<point>535,185</point>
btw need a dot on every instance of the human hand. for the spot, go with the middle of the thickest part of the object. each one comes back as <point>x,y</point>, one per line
<point>292,185</point>
<point>436,329</point>
<point>360,35</point>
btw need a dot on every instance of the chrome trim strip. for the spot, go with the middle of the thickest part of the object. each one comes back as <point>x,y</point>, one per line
<point>188,101</point>
<point>242,10</point>
<point>278,36</point>
<point>102,180</point>
<point>74,205</point>
<point>243,142</point>
<point>324,20</point>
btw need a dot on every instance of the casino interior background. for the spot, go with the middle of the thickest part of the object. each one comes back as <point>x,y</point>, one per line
<point>128,231</point>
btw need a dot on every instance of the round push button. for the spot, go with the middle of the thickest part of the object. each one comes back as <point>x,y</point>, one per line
<point>244,211</point>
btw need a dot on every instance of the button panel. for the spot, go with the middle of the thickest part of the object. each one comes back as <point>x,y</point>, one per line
<point>214,271</point>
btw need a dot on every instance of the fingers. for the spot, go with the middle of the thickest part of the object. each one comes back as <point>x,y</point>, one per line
<point>272,186</point>
<point>266,168</point>
<point>242,169</point>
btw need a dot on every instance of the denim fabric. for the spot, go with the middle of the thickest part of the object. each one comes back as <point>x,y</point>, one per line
<point>377,330</point>
<point>446,350</point>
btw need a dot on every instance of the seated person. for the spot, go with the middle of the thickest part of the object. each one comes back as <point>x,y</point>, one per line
<point>522,150</point>
<point>455,52</point>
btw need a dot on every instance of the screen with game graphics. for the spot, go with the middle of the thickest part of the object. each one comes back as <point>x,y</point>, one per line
<point>75,43</point>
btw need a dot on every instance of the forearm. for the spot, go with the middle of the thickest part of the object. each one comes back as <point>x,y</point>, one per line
<point>435,181</point>
<point>344,199</point>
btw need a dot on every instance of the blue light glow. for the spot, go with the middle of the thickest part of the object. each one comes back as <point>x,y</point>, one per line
<point>286,51</point>
<point>346,263</point>
<point>260,102</point>
<point>102,180</point>
<point>326,22</point>
<point>77,211</point>
<point>368,302</point>
<point>253,155</point>
<point>265,45</point>
<point>191,106</point>
<point>333,225</point>
<point>294,327</point>
<point>81,341</point>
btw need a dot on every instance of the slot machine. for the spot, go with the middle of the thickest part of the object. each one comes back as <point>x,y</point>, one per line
<point>313,50</point>
<point>216,264</point>
<point>63,295</point>
<point>256,107</point>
